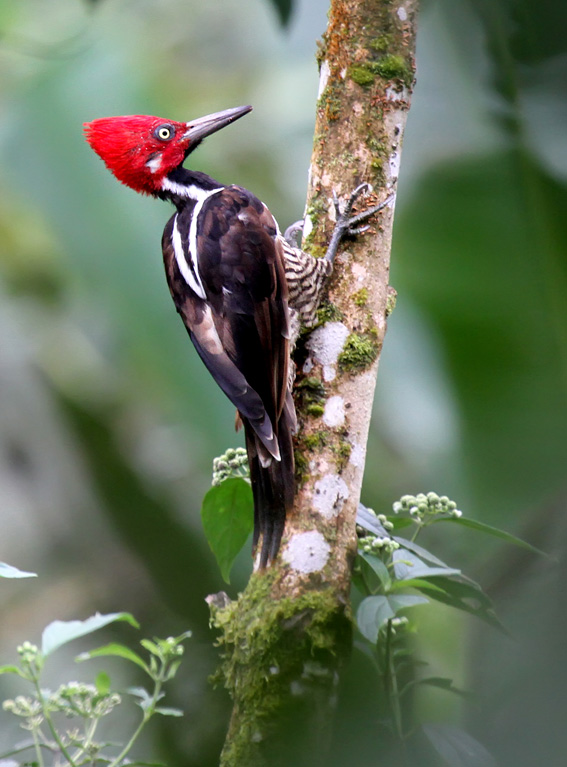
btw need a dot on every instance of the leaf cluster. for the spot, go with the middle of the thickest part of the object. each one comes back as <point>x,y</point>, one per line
<point>63,724</point>
<point>395,573</point>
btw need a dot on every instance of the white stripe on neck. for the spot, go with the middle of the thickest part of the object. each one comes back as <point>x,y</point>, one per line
<point>191,191</point>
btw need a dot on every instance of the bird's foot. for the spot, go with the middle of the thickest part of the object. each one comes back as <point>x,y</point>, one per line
<point>346,224</point>
<point>292,233</point>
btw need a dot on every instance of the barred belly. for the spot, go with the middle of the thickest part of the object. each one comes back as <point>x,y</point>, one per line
<point>305,276</point>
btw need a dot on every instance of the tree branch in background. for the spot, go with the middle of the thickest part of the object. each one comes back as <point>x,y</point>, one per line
<point>284,639</point>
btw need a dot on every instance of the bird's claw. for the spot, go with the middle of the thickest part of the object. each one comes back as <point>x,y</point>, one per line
<point>346,224</point>
<point>353,231</point>
<point>349,222</point>
<point>343,211</point>
<point>291,234</point>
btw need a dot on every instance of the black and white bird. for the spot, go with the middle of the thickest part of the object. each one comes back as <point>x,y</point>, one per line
<point>233,278</point>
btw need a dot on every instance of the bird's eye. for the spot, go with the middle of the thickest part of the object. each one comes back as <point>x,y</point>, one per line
<point>164,132</point>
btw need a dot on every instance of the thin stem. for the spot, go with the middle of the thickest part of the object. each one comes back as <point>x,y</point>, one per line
<point>115,762</point>
<point>50,724</point>
<point>89,734</point>
<point>37,747</point>
<point>14,751</point>
<point>392,683</point>
<point>147,715</point>
<point>418,528</point>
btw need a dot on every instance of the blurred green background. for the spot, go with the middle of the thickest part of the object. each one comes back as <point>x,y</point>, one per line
<point>109,423</point>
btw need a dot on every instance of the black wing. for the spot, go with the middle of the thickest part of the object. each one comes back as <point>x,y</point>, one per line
<point>241,331</point>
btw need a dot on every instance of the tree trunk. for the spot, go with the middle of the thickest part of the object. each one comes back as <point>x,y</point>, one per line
<point>283,641</point>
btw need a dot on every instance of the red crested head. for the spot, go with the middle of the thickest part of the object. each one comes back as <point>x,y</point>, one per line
<point>141,150</point>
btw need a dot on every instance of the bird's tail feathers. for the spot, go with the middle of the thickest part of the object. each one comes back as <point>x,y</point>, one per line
<point>272,485</point>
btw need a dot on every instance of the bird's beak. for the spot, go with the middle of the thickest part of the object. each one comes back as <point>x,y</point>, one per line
<point>204,126</point>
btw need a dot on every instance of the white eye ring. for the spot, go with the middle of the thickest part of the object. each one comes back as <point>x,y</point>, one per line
<point>164,132</point>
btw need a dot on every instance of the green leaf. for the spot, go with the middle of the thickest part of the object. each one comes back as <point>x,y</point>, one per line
<point>420,551</point>
<point>481,527</point>
<point>139,692</point>
<point>373,612</point>
<point>378,567</point>
<point>59,633</point>
<point>182,637</point>
<point>115,649</point>
<point>145,699</point>
<point>12,670</point>
<point>102,683</point>
<point>441,683</point>
<point>407,565</point>
<point>416,583</point>
<point>457,747</point>
<point>367,519</point>
<point>462,594</point>
<point>146,764</point>
<point>164,711</point>
<point>150,646</point>
<point>228,518</point>
<point>172,670</point>
<point>8,571</point>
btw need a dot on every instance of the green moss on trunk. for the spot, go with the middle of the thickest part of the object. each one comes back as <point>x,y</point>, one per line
<point>359,352</point>
<point>277,656</point>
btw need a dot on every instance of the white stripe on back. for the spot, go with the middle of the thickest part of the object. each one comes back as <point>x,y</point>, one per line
<point>190,275</point>
<point>189,271</point>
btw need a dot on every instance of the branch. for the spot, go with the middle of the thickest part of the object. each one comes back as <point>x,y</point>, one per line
<point>366,75</point>
<point>291,628</point>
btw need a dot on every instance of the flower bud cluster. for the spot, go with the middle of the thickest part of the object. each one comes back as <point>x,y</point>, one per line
<point>385,522</point>
<point>374,544</point>
<point>84,700</point>
<point>422,506</point>
<point>28,652</point>
<point>398,623</point>
<point>28,708</point>
<point>234,463</point>
<point>172,647</point>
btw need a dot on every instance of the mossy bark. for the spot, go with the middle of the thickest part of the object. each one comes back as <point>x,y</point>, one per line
<point>285,638</point>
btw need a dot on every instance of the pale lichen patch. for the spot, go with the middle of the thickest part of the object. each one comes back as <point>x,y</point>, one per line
<point>357,454</point>
<point>325,344</point>
<point>359,272</point>
<point>307,226</point>
<point>334,413</point>
<point>307,552</point>
<point>329,494</point>
<point>319,466</point>
<point>394,165</point>
<point>396,94</point>
<point>324,73</point>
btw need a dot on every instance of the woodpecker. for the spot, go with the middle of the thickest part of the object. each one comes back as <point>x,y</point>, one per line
<point>236,282</point>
